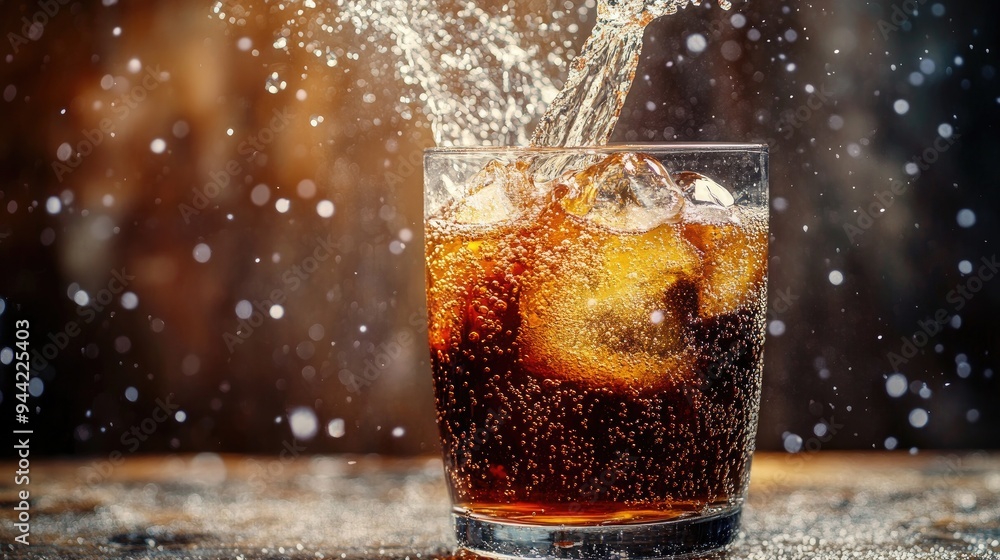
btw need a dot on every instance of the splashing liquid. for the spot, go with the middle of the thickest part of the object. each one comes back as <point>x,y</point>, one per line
<point>586,110</point>
<point>479,83</point>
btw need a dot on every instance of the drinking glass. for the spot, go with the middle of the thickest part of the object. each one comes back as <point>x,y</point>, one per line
<point>596,330</point>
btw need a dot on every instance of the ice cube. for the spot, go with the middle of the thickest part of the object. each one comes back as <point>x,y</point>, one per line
<point>702,190</point>
<point>589,315</point>
<point>489,205</point>
<point>735,259</point>
<point>624,192</point>
<point>498,192</point>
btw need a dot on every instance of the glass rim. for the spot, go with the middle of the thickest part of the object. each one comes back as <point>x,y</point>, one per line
<point>627,146</point>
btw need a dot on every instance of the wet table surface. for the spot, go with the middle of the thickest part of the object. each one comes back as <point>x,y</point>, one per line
<point>812,505</point>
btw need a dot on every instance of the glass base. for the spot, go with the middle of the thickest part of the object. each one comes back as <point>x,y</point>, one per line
<point>641,541</point>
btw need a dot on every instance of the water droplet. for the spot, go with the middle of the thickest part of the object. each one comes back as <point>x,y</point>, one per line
<point>244,309</point>
<point>963,370</point>
<point>731,51</point>
<point>324,208</point>
<point>123,344</point>
<point>696,42</point>
<point>129,300</point>
<point>191,364</point>
<point>202,253</point>
<point>81,298</point>
<point>306,188</point>
<point>274,84</point>
<point>260,194</point>
<point>895,385</point>
<point>918,418</point>
<point>64,151</point>
<point>316,332</point>
<point>36,387</point>
<point>792,443</point>
<point>302,422</point>
<point>180,129</point>
<point>336,428</point>
<point>966,218</point>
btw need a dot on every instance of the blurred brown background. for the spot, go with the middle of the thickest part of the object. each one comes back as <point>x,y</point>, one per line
<point>159,185</point>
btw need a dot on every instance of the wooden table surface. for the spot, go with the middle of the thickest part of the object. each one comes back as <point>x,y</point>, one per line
<point>812,505</point>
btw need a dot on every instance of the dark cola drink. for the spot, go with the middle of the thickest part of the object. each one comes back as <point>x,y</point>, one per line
<point>596,343</point>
